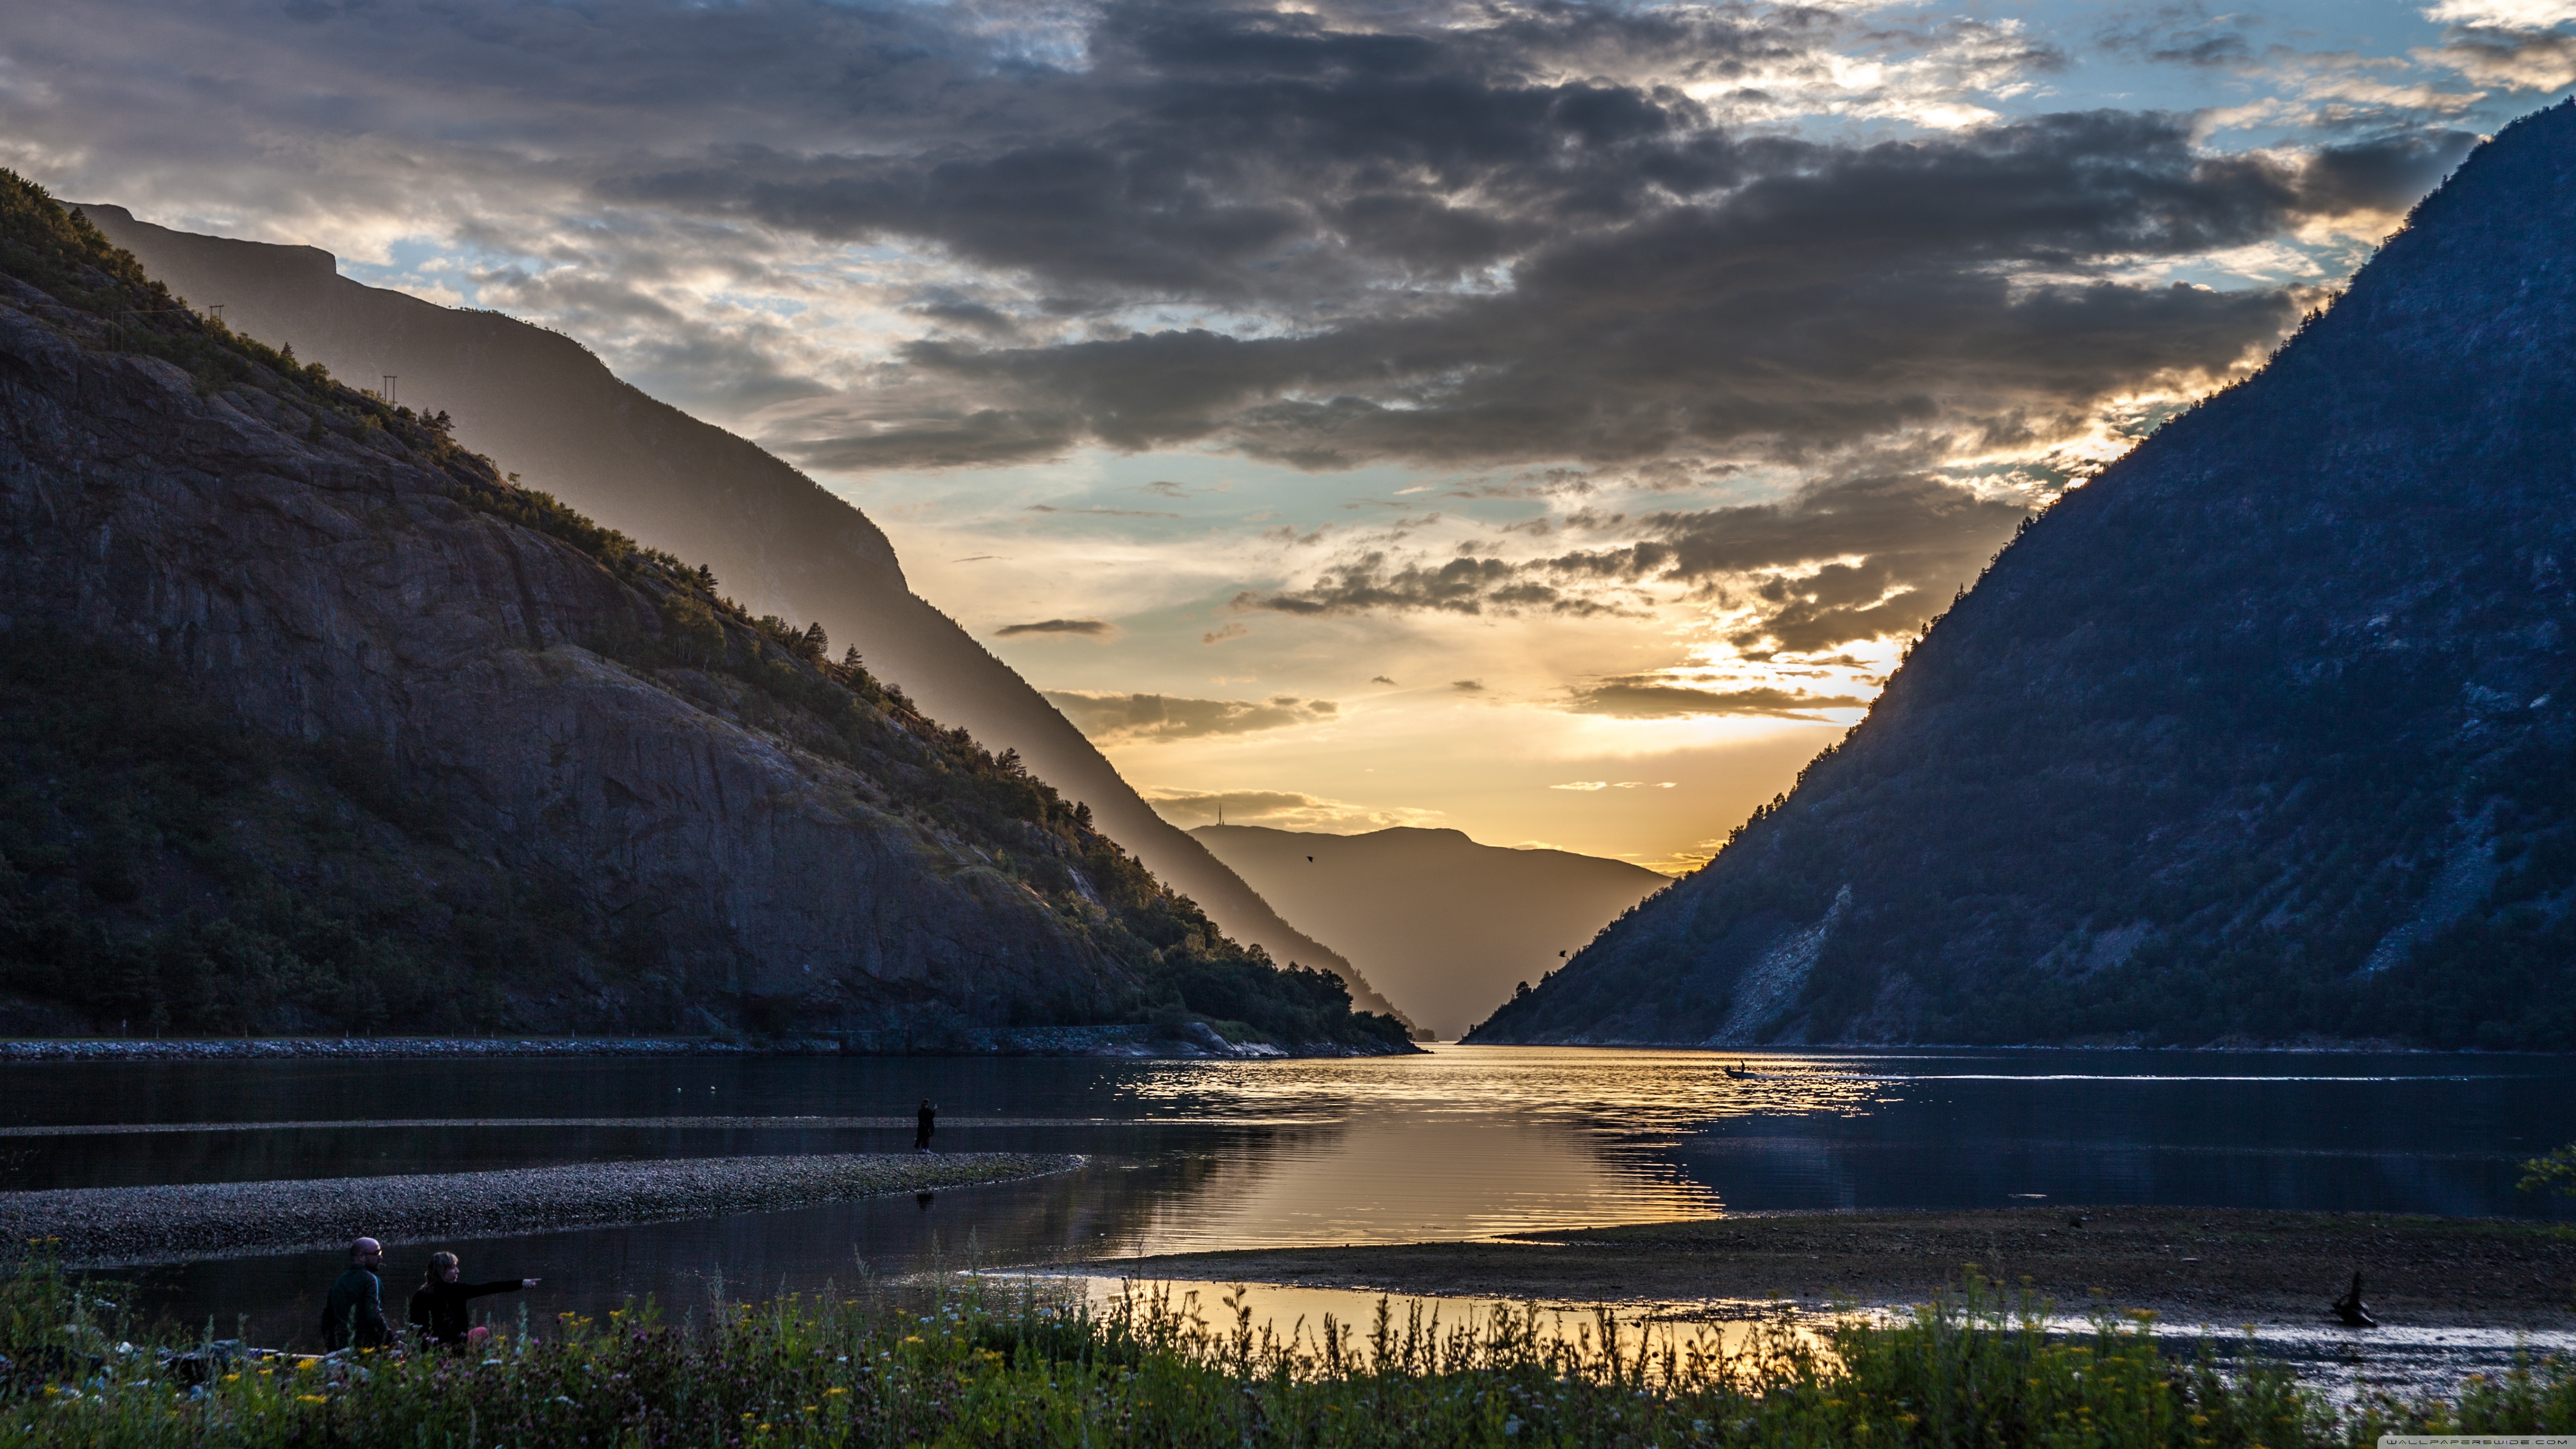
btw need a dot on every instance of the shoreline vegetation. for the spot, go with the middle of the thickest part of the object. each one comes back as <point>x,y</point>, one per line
<point>960,1363</point>
<point>116,1227</point>
<point>2219,1266</point>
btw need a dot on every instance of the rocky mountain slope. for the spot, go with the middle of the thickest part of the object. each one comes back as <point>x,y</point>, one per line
<point>553,414</point>
<point>2268,732</point>
<point>1445,925</point>
<point>311,720</point>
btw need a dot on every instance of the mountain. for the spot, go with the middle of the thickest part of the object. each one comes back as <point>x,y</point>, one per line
<point>2267,733</point>
<point>549,411</point>
<point>1445,924</point>
<point>308,720</point>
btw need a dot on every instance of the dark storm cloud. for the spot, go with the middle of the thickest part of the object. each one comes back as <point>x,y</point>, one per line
<point>1081,628</point>
<point>1161,718</point>
<point>1447,231</point>
<point>1827,296</point>
<point>1649,697</point>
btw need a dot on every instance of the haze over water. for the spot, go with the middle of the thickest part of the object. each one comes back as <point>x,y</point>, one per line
<point>1462,1142</point>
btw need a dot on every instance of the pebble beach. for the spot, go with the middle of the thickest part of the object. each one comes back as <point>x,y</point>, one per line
<point>133,1226</point>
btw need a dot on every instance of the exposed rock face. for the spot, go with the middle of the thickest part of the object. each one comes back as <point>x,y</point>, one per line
<point>2264,734</point>
<point>546,409</point>
<point>330,588</point>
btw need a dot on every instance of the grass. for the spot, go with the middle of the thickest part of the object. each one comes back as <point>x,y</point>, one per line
<point>965,1365</point>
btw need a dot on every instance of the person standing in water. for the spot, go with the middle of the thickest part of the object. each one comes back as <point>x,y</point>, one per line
<point>438,1305</point>
<point>924,1121</point>
<point>353,1316</point>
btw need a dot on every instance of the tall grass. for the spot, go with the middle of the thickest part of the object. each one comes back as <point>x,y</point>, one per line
<point>968,1365</point>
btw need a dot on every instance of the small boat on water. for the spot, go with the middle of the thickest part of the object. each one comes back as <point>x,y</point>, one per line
<point>1739,1071</point>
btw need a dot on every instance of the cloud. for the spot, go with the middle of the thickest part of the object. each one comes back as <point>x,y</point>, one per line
<point>2504,14</point>
<point>1841,560</point>
<point>1325,233</point>
<point>1590,785</point>
<point>1219,636</point>
<point>1280,809</point>
<point>1382,679</point>
<point>2514,59</point>
<point>1647,697</point>
<point>1086,628</point>
<point>1113,718</point>
<point>1808,294</point>
<point>1098,512</point>
<point>1467,686</point>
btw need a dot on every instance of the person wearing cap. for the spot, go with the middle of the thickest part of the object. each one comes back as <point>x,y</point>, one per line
<point>353,1315</point>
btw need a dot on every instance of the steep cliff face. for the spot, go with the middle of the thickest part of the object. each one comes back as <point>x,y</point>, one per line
<point>550,412</point>
<point>2265,733</point>
<point>509,716</point>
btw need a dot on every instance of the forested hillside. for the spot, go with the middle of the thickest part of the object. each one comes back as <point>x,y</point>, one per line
<point>309,719</point>
<point>2267,733</point>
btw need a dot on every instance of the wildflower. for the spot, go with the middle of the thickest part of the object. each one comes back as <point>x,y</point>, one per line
<point>228,1378</point>
<point>311,1399</point>
<point>827,1393</point>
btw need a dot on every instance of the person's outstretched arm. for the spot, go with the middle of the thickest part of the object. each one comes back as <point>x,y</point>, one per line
<point>497,1285</point>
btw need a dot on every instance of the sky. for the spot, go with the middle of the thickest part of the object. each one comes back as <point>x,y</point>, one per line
<point>1550,421</point>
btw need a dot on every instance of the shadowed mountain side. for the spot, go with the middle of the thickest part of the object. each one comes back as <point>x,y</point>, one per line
<point>543,407</point>
<point>2267,733</point>
<point>309,719</point>
<point>1448,925</point>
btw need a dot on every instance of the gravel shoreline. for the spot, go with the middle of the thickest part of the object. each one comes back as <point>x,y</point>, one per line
<point>120,1227</point>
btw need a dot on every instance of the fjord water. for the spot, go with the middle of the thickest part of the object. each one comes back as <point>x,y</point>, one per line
<point>1459,1142</point>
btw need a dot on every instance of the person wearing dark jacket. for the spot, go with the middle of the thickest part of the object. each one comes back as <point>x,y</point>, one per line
<point>438,1305</point>
<point>925,1122</point>
<point>353,1315</point>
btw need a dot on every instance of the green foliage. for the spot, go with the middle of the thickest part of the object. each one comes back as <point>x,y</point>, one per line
<point>103,297</point>
<point>2554,1172</point>
<point>971,1368</point>
<point>164,868</point>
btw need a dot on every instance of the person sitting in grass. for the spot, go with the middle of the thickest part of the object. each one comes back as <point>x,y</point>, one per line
<point>438,1305</point>
<point>353,1315</point>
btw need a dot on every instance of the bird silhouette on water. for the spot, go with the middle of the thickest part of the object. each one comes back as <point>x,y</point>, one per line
<point>2350,1308</point>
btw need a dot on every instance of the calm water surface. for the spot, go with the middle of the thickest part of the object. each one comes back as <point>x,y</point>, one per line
<point>1462,1142</point>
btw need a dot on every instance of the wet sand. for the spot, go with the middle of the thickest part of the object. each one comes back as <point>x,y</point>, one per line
<point>130,1226</point>
<point>2190,1265</point>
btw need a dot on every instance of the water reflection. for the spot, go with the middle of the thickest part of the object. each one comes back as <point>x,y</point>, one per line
<point>1463,1142</point>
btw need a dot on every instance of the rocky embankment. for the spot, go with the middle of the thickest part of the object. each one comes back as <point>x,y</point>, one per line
<point>127,1226</point>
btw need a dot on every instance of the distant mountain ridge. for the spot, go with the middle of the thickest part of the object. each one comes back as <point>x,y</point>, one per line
<point>308,719</point>
<point>2266,734</point>
<point>1447,925</point>
<point>546,409</point>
